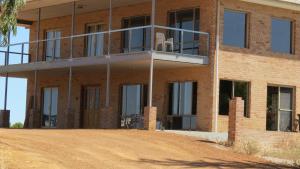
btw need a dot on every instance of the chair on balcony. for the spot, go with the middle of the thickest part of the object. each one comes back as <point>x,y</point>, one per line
<point>162,43</point>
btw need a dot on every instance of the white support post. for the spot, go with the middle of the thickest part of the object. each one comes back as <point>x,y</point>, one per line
<point>70,89</point>
<point>152,52</point>
<point>153,24</point>
<point>69,106</point>
<point>72,29</point>
<point>69,103</point>
<point>217,82</point>
<point>108,67</point>
<point>151,82</point>
<point>38,34</point>
<point>36,60</point>
<point>6,77</point>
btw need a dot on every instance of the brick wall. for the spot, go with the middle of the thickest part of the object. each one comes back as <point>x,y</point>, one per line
<point>258,64</point>
<point>239,132</point>
<point>202,74</point>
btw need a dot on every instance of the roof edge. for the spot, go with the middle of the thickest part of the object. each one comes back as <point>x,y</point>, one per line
<point>285,4</point>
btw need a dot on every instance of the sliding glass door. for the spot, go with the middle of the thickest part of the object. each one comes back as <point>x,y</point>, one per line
<point>279,108</point>
<point>50,110</point>
<point>136,39</point>
<point>134,98</point>
<point>188,20</point>
<point>53,45</point>
<point>95,42</point>
<point>182,105</point>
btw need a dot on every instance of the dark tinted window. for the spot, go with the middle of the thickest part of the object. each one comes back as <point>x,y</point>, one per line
<point>281,35</point>
<point>229,90</point>
<point>235,28</point>
<point>140,38</point>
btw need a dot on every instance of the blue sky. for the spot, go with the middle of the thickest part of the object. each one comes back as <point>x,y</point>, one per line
<point>16,87</point>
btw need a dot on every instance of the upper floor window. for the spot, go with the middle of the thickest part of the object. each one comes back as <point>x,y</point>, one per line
<point>94,42</point>
<point>282,35</point>
<point>235,28</point>
<point>136,39</point>
<point>52,45</point>
<point>188,19</point>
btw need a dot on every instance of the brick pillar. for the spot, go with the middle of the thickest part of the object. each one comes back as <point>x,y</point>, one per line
<point>108,119</point>
<point>236,115</point>
<point>4,118</point>
<point>30,119</point>
<point>150,114</point>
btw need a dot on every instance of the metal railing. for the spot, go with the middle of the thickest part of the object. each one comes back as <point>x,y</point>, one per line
<point>167,40</point>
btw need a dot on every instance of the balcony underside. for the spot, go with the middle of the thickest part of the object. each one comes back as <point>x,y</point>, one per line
<point>137,60</point>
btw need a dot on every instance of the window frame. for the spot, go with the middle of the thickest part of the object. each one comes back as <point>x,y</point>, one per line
<point>247,111</point>
<point>123,34</point>
<point>293,110</point>
<point>194,98</point>
<point>292,35</point>
<point>196,37</point>
<point>46,42</point>
<point>42,98</point>
<point>247,28</point>
<point>143,96</point>
<point>87,25</point>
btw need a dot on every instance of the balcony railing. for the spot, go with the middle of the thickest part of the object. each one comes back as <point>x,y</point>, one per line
<point>167,40</point>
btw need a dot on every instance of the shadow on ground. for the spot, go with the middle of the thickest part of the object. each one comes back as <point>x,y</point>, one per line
<point>213,163</point>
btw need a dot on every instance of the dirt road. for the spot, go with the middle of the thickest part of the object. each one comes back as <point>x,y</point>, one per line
<point>114,149</point>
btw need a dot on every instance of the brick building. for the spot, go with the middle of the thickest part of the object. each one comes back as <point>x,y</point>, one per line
<point>158,63</point>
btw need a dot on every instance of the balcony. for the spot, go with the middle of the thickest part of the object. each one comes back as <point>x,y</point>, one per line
<point>139,38</point>
<point>171,44</point>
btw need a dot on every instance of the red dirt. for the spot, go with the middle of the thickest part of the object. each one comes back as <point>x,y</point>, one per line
<point>113,149</point>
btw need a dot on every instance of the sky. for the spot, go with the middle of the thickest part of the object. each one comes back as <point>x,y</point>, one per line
<point>16,101</point>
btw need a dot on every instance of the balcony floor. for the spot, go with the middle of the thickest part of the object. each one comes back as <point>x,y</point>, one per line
<point>134,60</point>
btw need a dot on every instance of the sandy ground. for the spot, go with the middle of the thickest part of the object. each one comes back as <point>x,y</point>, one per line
<point>113,149</point>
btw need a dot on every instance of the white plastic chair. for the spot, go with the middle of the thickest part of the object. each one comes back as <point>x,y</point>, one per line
<point>161,41</point>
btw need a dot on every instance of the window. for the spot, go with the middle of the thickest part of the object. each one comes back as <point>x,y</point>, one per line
<point>282,35</point>
<point>279,108</point>
<point>94,43</point>
<point>188,20</point>
<point>182,105</point>
<point>139,40</point>
<point>50,107</point>
<point>231,89</point>
<point>53,45</point>
<point>235,28</point>
<point>183,98</point>
<point>134,98</point>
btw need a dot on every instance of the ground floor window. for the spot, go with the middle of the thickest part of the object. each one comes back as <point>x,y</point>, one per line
<point>229,90</point>
<point>50,104</point>
<point>182,105</point>
<point>133,101</point>
<point>279,108</point>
